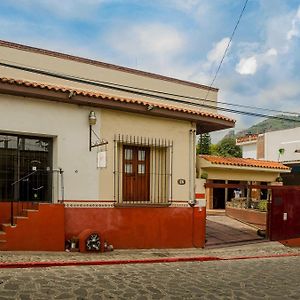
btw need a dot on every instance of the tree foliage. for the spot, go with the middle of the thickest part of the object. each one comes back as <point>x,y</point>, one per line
<point>227,147</point>
<point>204,144</point>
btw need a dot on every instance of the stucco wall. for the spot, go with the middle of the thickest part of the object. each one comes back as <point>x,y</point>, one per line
<point>249,151</point>
<point>83,70</point>
<point>69,128</point>
<point>286,139</point>
<point>114,122</point>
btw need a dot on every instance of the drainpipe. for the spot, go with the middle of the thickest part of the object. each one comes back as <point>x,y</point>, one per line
<point>192,160</point>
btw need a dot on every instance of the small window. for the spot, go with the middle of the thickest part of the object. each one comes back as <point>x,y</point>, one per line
<point>128,154</point>
<point>128,168</point>
<point>141,155</point>
<point>141,168</point>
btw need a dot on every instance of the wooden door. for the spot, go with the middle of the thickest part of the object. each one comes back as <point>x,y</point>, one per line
<point>136,173</point>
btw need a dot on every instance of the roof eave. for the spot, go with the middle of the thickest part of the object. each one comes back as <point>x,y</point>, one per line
<point>204,123</point>
<point>211,165</point>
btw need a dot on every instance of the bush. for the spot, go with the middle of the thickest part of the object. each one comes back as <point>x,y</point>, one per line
<point>263,205</point>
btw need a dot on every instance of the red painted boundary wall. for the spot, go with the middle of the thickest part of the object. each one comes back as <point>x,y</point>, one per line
<point>5,208</point>
<point>140,228</point>
<point>256,218</point>
<point>42,230</point>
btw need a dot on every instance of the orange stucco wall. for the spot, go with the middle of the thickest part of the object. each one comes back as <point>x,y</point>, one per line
<point>42,230</point>
<point>291,242</point>
<point>126,228</point>
<point>5,209</point>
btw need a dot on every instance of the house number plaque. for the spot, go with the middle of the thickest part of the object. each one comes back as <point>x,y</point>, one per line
<point>181,181</point>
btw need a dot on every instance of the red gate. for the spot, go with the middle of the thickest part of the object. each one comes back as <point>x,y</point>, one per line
<point>284,213</point>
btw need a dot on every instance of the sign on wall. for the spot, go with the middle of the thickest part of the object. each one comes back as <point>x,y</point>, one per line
<point>102,159</point>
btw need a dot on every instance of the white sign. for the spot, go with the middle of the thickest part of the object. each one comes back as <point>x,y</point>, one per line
<point>101,161</point>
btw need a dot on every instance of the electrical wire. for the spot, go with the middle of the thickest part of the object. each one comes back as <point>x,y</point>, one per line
<point>228,45</point>
<point>141,93</point>
<point>110,85</point>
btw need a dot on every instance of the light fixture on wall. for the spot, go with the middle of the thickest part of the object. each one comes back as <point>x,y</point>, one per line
<point>98,142</point>
<point>92,121</point>
<point>150,107</point>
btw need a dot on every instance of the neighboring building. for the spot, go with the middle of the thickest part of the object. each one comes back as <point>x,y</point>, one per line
<point>248,144</point>
<point>231,170</point>
<point>282,146</point>
<point>99,150</point>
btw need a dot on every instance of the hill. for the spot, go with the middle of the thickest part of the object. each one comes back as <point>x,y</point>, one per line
<point>272,125</point>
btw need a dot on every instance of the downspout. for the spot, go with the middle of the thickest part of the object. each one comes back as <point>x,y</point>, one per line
<point>192,160</point>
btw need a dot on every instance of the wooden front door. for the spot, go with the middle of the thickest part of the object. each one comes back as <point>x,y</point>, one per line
<point>136,173</point>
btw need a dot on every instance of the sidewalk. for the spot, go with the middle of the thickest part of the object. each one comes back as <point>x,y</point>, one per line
<point>262,249</point>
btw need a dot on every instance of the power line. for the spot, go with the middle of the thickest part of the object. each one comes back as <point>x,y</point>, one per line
<point>131,89</point>
<point>143,93</point>
<point>228,45</point>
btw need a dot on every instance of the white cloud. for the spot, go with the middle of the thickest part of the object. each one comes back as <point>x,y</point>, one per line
<point>250,65</point>
<point>154,39</point>
<point>271,52</point>
<point>295,30</point>
<point>247,66</point>
<point>216,54</point>
<point>281,92</point>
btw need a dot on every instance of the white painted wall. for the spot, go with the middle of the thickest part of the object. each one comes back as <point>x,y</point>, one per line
<point>288,139</point>
<point>249,150</point>
<point>68,126</point>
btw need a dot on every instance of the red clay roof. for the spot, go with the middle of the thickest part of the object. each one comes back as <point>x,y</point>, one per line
<point>112,98</point>
<point>244,162</point>
<point>247,138</point>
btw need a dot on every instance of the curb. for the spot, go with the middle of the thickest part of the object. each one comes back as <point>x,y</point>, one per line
<point>45,264</point>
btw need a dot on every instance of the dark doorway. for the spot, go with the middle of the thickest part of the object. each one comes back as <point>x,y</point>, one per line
<point>219,196</point>
<point>25,168</point>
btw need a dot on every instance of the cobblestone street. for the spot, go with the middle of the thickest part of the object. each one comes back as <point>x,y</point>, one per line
<point>272,278</point>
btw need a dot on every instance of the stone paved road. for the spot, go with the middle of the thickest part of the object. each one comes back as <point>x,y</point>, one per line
<point>276,278</point>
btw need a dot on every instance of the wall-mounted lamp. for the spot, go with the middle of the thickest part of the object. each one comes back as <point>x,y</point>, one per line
<point>92,121</point>
<point>150,107</point>
<point>98,142</point>
<point>71,94</point>
<point>92,118</point>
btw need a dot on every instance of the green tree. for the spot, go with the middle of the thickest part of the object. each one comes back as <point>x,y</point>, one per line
<point>204,144</point>
<point>227,147</point>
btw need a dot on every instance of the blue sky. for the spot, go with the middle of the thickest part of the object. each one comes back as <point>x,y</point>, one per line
<point>178,38</point>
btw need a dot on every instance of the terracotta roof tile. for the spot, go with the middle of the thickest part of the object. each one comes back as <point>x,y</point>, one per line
<point>247,138</point>
<point>244,162</point>
<point>113,98</point>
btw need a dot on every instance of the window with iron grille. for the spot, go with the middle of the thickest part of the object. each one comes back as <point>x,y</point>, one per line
<point>25,163</point>
<point>142,171</point>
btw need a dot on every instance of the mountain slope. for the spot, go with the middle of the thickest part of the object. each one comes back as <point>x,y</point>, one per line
<point>271,125</point>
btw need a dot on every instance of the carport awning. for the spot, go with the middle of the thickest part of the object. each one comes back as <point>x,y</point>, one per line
<point>211,161</point>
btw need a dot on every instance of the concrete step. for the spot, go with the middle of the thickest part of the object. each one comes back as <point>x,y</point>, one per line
<point>20,217</point>
<point>5,225</point>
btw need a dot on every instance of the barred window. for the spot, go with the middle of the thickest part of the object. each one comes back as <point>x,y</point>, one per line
<point>142,170</point>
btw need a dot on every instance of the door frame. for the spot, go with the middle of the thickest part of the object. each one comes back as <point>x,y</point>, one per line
<point>136,173</point>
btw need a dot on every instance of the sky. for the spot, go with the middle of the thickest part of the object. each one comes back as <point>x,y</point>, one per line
<point>184,39</point>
